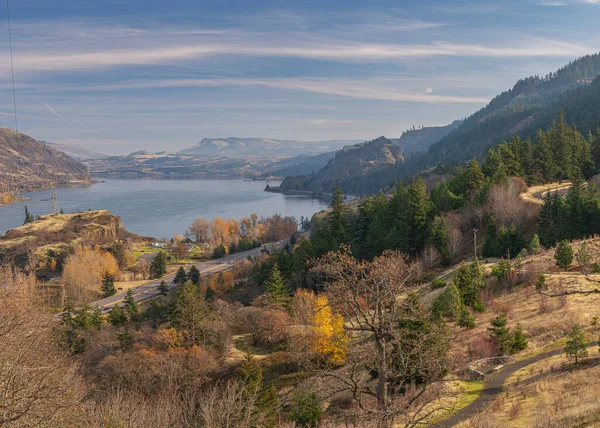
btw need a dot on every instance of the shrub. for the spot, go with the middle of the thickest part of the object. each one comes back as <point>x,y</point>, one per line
<point>437,283</point>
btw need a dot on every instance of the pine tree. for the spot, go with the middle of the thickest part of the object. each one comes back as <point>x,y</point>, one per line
<point>117,316</point>
<point>194,275</point>
<point>475,176</point>
<point>158,266</point>
<point>131,306</point>
<point>540,285</point>
<point>210,294</point>
<point>305,409</point>
<point>419,212</point>
<point>499,333</point>
<point>563,255</point>
<point>534,245</point>
<point>28,216</point>
<point>490,244</point>
<point>576,346</point>
<point>163,288</point>
<point>265,399</point>
<point>275,286</point>
<point>188,312</point>
<point>181,276</point>
<point>439,238</point>
<point>448,304</point>
<point>466,320</point>
<point>108,285</point>
<point>338,221</point>
<point>518,340</point>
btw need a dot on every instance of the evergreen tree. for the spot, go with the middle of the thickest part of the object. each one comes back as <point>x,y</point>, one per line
<point>194,275</point>
<point>563,255</point>
<point>499,333</point>
<point>265,399</point>
<point>540,285</point>
<point>466,320</point>
<point>117,316</point>
<point>419,212</point>
<point>469,281</point>
<point>219,252</point>
<point>490,244</point>
<point>338,222</point>
<point>534,245</point>
<point>518,340</point>
<point>475,176</point>
<point>448,304</point>
<point>108,285</point>
<point>275,286</point>
<point>576,346</point>
<point>158,266</point>
<point>494,168</point>
<point>28,216</point>
<point>163,288</point>
<point>131,306</point>
<point>439,238</point>
<point>305,409</point>
<point>188,312</point>
<point>181,276</point>
<point>210,294</point>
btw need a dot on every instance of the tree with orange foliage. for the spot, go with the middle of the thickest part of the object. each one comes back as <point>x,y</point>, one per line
<point>328,338</point>
<point>83,272</point>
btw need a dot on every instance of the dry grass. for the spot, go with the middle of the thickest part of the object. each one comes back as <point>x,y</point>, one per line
<point>531,195</point>
<point>552,392</point>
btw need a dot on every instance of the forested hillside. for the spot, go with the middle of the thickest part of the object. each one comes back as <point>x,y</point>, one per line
<point>352,168</point>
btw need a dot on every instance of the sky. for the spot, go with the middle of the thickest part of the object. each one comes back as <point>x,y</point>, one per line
<point>124,75</point>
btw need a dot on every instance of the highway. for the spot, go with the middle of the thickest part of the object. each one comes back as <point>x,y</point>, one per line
<point>207,268</point>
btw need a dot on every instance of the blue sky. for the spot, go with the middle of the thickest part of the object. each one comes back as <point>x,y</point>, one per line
<point>125,75</point>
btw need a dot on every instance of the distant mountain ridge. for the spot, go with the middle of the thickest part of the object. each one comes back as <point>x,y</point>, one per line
<point>26,163</point>
<point>78,153</point>
<point>234,146</point>
<point>350,167</point>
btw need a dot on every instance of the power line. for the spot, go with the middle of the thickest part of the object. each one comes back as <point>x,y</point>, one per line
<point>12,67</point>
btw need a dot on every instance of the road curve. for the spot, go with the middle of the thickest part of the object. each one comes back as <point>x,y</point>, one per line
<point>208,268</point>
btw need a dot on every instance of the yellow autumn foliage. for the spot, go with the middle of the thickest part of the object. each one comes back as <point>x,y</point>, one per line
<point>328,338</point>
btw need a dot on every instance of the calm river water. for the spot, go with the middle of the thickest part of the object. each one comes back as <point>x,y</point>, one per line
<point>162,208</point>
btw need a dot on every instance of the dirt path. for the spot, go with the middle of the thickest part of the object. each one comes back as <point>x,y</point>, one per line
<point>493,386</point>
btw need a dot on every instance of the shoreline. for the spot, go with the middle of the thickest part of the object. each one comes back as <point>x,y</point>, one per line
<point>12,196</point>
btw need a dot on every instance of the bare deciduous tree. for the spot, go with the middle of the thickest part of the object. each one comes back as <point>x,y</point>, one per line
<point>407,360</point>
<point>39,384</point>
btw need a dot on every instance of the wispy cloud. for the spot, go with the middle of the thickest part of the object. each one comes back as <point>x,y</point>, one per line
<point>53,111</point>
<point>378,89</point>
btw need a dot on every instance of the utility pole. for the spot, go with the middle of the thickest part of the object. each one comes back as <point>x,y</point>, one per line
<point>54,203</point>
<point>475,241</point>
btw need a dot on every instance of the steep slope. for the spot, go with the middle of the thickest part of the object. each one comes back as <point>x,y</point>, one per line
<point>353,168</point>
<point>301,165</point>
<point>233,146</point>
<point>78,153</point>
<point>512,111</point>
<point>27,163</point>
<point>418,140</point>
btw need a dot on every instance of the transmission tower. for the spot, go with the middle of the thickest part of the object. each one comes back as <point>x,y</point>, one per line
<point>54,202</point>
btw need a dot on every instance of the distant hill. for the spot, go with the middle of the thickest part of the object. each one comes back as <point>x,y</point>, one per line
<point>233,146</point>
<point>27,163</point>
<point>75,152</point>
<point>418,140</point>
<point>352,168</point>
<point>301,165</point>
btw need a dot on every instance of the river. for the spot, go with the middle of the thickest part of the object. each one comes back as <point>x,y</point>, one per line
<point>162,208</point>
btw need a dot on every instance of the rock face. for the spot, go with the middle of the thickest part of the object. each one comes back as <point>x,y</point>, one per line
<point>28,164</point>
<point>353,168</point>
<point>61,232</point>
